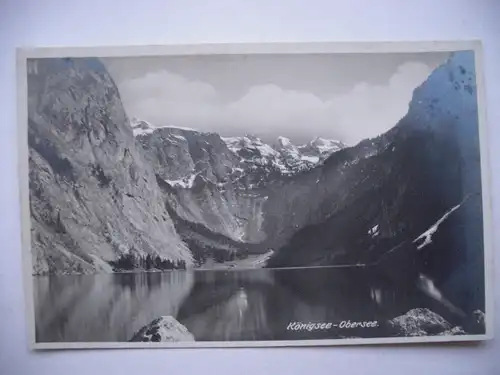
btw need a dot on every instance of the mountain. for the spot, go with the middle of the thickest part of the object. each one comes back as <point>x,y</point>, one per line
<point>111,193</point>
<point>220,185</point>
<point>94,199</point>
<point>283,157</point>
<point>377,200</point>
<point>320,148</point>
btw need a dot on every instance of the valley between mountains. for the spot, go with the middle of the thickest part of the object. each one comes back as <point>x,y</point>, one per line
<point>111,193</point>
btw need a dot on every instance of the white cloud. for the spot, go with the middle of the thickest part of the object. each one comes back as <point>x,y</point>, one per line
<point>364,111</point>
<point>367,111</point>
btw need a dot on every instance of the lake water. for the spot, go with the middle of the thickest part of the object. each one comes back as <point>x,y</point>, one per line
<point>221,305</point>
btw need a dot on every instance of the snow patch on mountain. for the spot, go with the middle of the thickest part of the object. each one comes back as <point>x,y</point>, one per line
<point>427,235</point>
<point>311,159</point>
<point>179,137</point>
<point>374,231</point>
<point>184,183</point>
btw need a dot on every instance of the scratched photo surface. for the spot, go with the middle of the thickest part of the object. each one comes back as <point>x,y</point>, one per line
<point>247,197</point>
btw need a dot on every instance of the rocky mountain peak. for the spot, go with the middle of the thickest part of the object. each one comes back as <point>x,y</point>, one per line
<point>283,156</point>
<point>320,149</point>
<point>141,127</point>
<point>284,142</point>
<point>326,146</point>
<point>285,146</point>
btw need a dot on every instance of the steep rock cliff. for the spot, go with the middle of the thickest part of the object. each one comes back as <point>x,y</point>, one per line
<point>93,196</point>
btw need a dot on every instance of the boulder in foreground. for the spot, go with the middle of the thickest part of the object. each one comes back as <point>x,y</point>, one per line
<point>423,322</point>
<point>163,329</point>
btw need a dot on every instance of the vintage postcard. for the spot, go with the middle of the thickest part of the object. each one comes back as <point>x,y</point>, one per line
<point>226,195</point>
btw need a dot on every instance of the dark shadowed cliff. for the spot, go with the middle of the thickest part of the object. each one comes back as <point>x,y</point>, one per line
<point>416,190</point>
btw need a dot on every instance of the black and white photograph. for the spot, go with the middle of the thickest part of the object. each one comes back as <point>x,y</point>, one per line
<point>263,195</point>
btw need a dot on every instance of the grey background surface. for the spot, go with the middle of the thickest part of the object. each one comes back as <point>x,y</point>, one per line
<point>92,22</point>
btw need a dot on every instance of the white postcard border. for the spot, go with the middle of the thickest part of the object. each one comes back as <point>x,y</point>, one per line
<point>235,49</point>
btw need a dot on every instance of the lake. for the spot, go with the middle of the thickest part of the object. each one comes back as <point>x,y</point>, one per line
<point>221,305</point>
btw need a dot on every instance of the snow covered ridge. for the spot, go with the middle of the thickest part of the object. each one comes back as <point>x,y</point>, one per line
<point>141,127</point>
<point>254,155</point>
<point>283,156</point>
<point>236,144</point>
<point>308,154</point>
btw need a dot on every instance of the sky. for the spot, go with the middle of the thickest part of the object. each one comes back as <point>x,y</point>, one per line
<point>346,97</point>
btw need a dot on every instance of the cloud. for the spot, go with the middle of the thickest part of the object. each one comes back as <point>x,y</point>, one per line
<point>365,110</point>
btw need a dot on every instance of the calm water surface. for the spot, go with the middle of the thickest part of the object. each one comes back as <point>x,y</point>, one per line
<point>220,305</point>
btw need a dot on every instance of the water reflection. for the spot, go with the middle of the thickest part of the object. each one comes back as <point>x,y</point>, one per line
<point>257,304</point>
<point>105,307</point>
